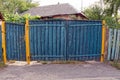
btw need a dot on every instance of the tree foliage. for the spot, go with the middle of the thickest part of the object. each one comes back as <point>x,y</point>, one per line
<point>16,6</point>
<point>16,18</point>
<point>112,6</point>
<point>94,13</point>
<point>97,13</point>
<point>12,8</point>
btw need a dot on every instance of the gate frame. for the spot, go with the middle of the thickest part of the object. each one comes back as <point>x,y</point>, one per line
<point>3,42</point>
<point>27,41</point>
<point>103,41</point>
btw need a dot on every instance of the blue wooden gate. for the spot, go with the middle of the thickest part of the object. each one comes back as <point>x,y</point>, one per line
<point>65,40</point>
<point>84,40</point>
<point>15,42</point>
<point>48,40</point>
<point>55,40</point>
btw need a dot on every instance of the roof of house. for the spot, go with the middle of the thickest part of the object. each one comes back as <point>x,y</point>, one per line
<point>52,10</point>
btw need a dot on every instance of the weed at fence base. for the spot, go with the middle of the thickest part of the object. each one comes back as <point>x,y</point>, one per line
<point>61,62</point>
<point>2,64</point>
<point>115,64</point>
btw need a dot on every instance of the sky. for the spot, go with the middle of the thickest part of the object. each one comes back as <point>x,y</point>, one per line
<point>74,3</point>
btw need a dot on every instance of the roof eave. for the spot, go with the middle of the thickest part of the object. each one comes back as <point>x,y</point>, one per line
<point>66,14</point>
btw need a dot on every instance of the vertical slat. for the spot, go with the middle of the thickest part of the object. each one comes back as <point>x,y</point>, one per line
<point>80,42</point>
<point>94,39</point>
<point>62,40</point>
<point>54,40</point>
<point>98,42</point>
<point>69,35</point>
<point>114,44</point>
<point>77,41</point>
<point>35,36</point>
<point>31,42</point>
<point>14,40</point>
<point>34,42</point>
<point>109,44</point>
<point>46,40</point>
<point>42,42</point>
<point>74,51</point>
<point>84,43</point>
<point>117,46</point>
<point>50,41</point>
<point>38,41</point>
<point>8,40</point>
<point>17,44</point>
<point>91,42</point>
<point>58,40</point>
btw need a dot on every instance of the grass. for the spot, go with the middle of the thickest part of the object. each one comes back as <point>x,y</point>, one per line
<point>2,65</point>
<point>61,62</point>
<point>115,64</point>
<point>11,61</point>
<point>67,62</point>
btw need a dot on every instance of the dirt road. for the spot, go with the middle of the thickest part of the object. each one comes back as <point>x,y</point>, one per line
<point>90,71</point>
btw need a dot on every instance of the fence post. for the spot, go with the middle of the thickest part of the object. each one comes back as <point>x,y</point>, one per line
<point>103,41</point>
<point>3,42</point>
<point>27,42</point>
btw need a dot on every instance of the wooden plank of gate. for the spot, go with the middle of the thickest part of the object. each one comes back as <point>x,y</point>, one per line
<point>4,42</point>
<point>109,43</point>
<point>114,44</point>
<point>117,46</point>
<point>27,42</point>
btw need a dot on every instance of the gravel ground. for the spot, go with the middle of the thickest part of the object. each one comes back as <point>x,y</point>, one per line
<point>89,71</point>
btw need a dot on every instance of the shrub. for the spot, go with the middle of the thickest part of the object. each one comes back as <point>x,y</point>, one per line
<point>19,18</point>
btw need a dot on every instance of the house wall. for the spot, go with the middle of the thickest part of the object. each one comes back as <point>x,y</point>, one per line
<point>66,17</point>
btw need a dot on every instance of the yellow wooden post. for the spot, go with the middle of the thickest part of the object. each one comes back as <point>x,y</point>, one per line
<point>27,42</point>
<point>3,42</point>
<point>103,40</point>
